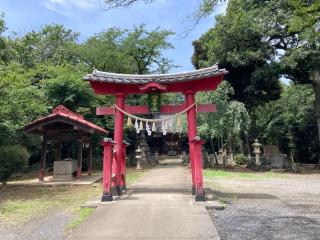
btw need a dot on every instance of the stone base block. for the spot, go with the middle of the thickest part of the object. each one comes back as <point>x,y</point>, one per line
<point>62,177</point>
<point>106,198</point>
<point>200,198</point>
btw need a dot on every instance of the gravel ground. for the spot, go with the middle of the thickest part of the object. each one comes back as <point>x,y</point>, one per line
<point>50,227</point>
<point>268,209</point>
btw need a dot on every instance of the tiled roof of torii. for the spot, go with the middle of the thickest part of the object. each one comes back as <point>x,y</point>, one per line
<point>98,76</point>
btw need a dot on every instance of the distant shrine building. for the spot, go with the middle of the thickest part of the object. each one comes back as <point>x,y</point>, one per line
<point>155,119</point>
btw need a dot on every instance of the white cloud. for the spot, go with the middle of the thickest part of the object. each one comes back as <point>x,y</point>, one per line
<point>70,7</point>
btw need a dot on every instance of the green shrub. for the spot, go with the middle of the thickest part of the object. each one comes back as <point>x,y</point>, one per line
<point>241,159</point>
<point>12,158</point>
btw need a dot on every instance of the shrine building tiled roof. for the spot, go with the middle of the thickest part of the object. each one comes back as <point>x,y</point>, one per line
<point>62,114</point>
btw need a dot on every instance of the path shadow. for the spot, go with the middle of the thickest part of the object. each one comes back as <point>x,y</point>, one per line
<point>218,195</point>
<point>210,194</point>
<point>130,193</point>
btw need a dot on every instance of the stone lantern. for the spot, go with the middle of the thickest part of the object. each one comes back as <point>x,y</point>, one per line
<point>138,157</point>
<point>256,150</point>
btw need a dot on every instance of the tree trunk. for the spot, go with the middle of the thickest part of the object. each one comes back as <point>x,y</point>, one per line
<point>231,148</point>
<point>214,160</point>
<point>242,146</point>
<point>316,87</point>
<point>4,184</point>
<point>248,147</point>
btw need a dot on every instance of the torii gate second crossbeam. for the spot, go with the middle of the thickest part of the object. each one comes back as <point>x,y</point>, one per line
<point>120,85</point>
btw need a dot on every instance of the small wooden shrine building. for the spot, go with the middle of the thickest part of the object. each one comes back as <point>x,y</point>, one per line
<point>64,125</point>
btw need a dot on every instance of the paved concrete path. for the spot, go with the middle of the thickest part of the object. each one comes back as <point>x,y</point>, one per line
<point>158,206</point>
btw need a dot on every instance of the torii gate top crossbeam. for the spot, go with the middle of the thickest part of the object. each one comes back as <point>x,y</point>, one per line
<point>206,79</point>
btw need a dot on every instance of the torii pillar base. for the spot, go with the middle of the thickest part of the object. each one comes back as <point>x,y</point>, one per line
<point>199,191</point>
<point>106,198</point>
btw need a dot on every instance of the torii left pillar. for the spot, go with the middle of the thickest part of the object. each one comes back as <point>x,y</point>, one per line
<point>118,146</point>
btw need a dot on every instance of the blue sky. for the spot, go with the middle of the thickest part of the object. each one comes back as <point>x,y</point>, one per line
<point>88,17</point>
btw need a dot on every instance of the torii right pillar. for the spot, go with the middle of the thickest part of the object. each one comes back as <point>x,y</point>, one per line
<point>195,148</point>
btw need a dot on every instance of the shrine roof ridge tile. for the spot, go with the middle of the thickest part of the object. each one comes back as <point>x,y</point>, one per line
<point>160,78</point>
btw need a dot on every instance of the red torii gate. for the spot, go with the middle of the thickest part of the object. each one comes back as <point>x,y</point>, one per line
<point>120,85</point>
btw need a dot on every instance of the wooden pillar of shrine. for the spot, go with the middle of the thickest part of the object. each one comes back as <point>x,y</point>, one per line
<point>195,151</point>
<point>43,157</point>
<point>118,147</point>
<point>79,158</point>
<point>107,170</point>
<point>90,166</point>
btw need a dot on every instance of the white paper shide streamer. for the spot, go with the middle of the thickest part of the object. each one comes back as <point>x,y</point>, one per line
<point>166,122</point>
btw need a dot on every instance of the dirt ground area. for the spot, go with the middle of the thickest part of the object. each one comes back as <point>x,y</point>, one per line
<point>282,207</point>
<point>35,212</point>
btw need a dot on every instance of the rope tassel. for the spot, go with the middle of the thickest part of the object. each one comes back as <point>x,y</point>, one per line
<point>154,129</point>
<point>179,121</point>
<point>129,122</point>
<point>148,129</point>
<point>136,126</point>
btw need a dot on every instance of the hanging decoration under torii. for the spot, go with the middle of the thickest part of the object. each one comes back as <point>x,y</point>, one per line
<point>150,124</point>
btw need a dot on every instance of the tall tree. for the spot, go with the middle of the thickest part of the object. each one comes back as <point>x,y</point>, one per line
<point>230,120</point>
<point>302,60</point>
<point>291,29</point>
<point>144,49</point>
<point>136,51</point>
<point>290,121</point>
<point>49,45</point>
<point>237,43</point>
<point>206,6</point>
<point>2,39</point>
<point>20,102</point>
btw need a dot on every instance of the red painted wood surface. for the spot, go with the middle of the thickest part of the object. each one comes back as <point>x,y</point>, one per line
<point>123,168</point>
<point>118,138</point>
<point>198,166</point>
<point>192,132</point>
<point>166,109</point>
<point>153,86</point>
<point>199,85</point>
<point>206,108</point>
<point>107,165</point>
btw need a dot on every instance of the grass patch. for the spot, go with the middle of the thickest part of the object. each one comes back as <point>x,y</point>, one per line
<point>81,215</point>
<point>215,173</point>
<point>17,211</point>
<point>19,204</point>
<point>134,175</point>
